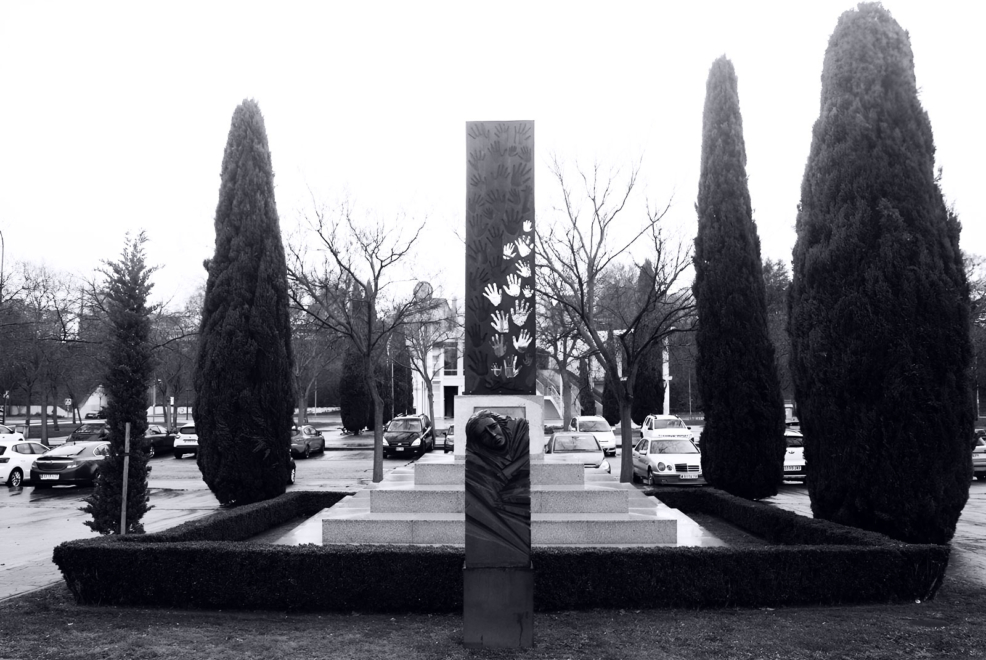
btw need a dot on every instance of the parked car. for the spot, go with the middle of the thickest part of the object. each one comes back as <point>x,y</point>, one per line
<point>292,469</point>
<point>571,447</point>
<point>16,457</point>
<point>794,457</point>
<point>69,464</point>
<point>599,428</point>
<point>305,440</point>
<point>664,426</point>
<point>979,459</point>
<point>157,440</point>
<point>89,432</point>
<point>92,415</point>
<point>667,461</point>
<point>409,434</point>
<point>187,441</point>
<point>7,433</point>
<point>450,438</point>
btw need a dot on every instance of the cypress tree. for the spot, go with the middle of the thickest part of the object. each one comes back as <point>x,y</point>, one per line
<point>403,385</point>
<point>355,406</point>
<point>648,387</point>
<point>743,440</point>
<point>587,395</point>
<point>244,390</point>
<point>611,405</point>
<point>129,365</point>
<point>879,308</point>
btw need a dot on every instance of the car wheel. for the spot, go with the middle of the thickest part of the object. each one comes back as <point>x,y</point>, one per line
<point>150,452</point>
<point>178,455</point>
<point>95,477</point>
<point>308,451</point>
<point>321,449</point>
<point>291,475</point>
<point>16,478</point>
<point>981,477</point>
<point>634,479</point>
<point>650,477</point>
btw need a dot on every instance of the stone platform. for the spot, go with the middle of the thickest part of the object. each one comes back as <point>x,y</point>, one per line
<point>424,504</point>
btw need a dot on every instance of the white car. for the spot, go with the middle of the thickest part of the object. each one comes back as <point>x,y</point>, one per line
<point>667,461</point>
<point>664,426</point>
<point>794,456</point>
<point>568,447</point>
<point>598,427</point>
<point>16,458</point>
<point>7,433</point>
<point>187,441</point>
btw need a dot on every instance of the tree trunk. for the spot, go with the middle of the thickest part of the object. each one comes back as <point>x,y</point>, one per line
<point>371,384</point>
<point>54,412</point>
<point>431,404</point>
<point>626,443</point>
<point>44,418</point>
<point>566,398</point>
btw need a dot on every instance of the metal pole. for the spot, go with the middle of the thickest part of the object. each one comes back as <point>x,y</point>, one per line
<point>126,479</point>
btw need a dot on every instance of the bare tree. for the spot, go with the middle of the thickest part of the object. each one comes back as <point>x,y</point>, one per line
<point>560,340</point>
<point>578,252</point>
<point>351,293</point>
<point>433,324</point>
<point>314,349</point>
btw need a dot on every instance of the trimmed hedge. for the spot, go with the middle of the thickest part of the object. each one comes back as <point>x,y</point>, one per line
<point>199,565</point>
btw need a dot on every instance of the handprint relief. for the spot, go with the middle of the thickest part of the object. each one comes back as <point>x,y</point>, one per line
<point>508,251</point>
<point>523,246</point>
<point>527,291</point>
<point>521,342</point>
<point>528,226</point>
<point>523,269</point>
<point>501,322</point>
<point>510,367</point>
<point>492,293</point>
<point>495,370</point>
<point>513,286</point>
<point>520,312</point>
<point>499,346</point>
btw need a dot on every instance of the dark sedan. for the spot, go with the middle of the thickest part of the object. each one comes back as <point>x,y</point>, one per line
<point>69,464</point>
<point>306,440</point>
<point>157,440</point>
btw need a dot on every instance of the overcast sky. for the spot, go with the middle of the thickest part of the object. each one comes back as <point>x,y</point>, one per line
<point>115,116</point>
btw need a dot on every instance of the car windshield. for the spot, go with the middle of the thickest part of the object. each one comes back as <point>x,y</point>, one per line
<point>5,429</point>
<point>402,425</point>
<point>668,424</point>
<point>565,443</point>
<point>672,447</point>
<point>794,440</point>
<point>67,450</point>
<point>187,430</point>
<point>89,428</point>
<point>594,425</point>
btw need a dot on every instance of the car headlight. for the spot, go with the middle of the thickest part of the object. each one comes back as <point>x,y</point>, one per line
<point>604,465</point>
<point>72,465</point>
<point>661,467</point>
<point>385,443</point>
<point>416,443</point>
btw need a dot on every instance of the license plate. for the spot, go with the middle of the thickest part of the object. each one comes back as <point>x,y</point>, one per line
<point>400,449</point>
<point>49,476</point>
<point>794,468</point>
<point>688,476</point>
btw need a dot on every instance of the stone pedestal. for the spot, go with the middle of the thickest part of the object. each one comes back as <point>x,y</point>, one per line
<point>497,608</point>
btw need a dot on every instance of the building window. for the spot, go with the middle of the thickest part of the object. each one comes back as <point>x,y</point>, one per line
<point>451,358</point>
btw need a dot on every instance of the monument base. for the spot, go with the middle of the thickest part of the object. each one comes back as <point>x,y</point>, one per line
<point>498,607</point>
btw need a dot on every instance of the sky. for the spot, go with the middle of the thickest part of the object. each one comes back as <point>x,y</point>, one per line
<point>115,115</point>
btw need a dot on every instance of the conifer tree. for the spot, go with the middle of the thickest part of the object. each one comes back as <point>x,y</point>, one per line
<point>355,405</point>
<point>648,388</point>
<point>743,440</point>
<point>587,395</point>
<point>244,389</point>
<point>611,405</point>
<point>129,365</point>
<point>403,385</point>
<point>879,308</point>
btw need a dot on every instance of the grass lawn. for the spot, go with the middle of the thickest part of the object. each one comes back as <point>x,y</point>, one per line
<point>48,624</point>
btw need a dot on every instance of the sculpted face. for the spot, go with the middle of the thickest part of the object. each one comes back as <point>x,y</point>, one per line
<point>491,435</point>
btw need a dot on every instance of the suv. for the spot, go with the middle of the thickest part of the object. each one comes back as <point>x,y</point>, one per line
<point>598,427</point>
<point>408,434</point>
<point>664,427</point>
<point>187,441</point>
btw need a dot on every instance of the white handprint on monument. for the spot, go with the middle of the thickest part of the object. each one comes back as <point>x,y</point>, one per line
<point>523,247</point>
<point>501,322</point>
<point>495,370</point>
<point>492,292</point>
<point>528,226</point>
<point>499,346</point>
<point>510,367</point>
<point>522,341</point>
<point>508,251</point>
<point>527,291</point>
<point>523,269</point>
<point>520,312</point>
<point>513,286</point>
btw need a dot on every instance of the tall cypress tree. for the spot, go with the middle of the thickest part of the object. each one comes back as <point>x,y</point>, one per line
<point>355,406</point>
<point>611,405</point>
<point>878,308</point>
<point>129,365</point>
<point>587,394</point>
<point>244,390</point>
<point>648,388</point>
<point>403,384</point>
<point>743,440</point>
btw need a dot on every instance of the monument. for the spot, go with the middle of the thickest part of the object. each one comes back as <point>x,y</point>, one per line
<point>500,378</point>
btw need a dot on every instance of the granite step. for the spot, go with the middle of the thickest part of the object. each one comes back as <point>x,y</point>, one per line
<point>451,472</point>
<point>416,498</point>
